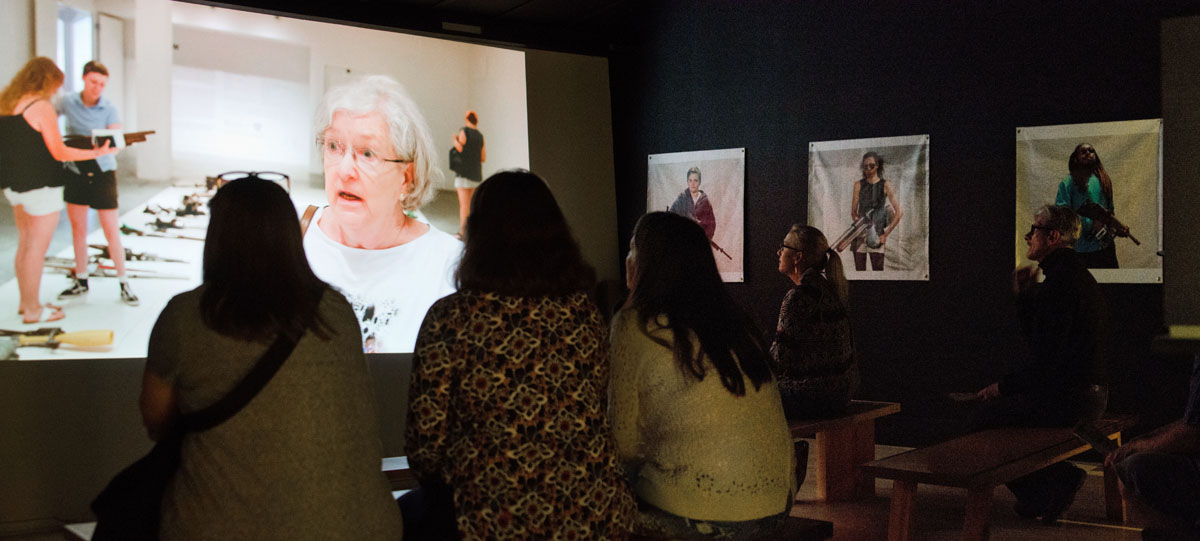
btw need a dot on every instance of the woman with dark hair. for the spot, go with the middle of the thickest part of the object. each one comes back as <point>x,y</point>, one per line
<point>1088,183</point>
<point>506,406</point>
<point>874,198</point>
<point>31,148</point>
<point>813,350</point>
<point>301,459</point>
<point>694,406</point>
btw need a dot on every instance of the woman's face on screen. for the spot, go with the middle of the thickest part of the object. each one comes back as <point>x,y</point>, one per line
<point>362,192</point>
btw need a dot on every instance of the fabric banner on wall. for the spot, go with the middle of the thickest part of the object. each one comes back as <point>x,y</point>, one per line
<point>1125,156</point>
<point>871,199</point>
<point>709,187</point>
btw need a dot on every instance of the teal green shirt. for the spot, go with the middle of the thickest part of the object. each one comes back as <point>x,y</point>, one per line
<point>1070,195</point>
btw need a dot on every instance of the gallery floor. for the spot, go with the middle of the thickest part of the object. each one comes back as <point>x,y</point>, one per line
<point>939,514</point>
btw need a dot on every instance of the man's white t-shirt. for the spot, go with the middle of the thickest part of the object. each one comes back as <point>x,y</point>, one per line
<point>390,289</point>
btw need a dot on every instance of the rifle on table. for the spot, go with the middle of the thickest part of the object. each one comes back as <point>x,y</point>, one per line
<point>131,255</point>
<point>52,337</point>
<point>99,269</point>
<point>1111,225</point>
<point>139,233</point>
<point>85,141</point>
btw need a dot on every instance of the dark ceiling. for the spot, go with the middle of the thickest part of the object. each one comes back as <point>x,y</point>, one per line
<point>583,26</point>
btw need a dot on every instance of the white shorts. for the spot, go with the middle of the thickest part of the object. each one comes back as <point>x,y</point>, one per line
<point>464,182</point>
<point>37,202</point>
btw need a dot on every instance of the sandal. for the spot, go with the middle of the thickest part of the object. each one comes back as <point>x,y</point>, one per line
<point>48,313</point>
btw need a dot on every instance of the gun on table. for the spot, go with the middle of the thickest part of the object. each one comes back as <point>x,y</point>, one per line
<point>99,269</point>
<point>85,141</point>
<point>52,337</point>
<point>139,233</point>
<point>1112,226</point>
<point>131,255</point>
<point>856,229</point>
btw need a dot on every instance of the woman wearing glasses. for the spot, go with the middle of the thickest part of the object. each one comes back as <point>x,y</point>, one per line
<point>813,351</point>
<point>872,196</point>
<point>376,151</point>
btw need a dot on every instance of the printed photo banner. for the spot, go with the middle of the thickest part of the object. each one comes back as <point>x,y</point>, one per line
<point>717,205</point>
<point>1129,153</point>
<point>876,217</point>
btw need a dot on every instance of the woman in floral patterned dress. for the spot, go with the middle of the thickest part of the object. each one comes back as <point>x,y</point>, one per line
<point>510,374</point>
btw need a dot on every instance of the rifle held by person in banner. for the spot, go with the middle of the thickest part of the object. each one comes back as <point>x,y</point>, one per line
<point>1111,225</point>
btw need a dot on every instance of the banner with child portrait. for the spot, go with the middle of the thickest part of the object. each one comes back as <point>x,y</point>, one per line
<point>707,186</point>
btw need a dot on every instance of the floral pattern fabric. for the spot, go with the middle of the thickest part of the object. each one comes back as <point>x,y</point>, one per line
<point>507,406</point>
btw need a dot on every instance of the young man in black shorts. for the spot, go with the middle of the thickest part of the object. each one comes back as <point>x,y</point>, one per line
<point>96,186</point>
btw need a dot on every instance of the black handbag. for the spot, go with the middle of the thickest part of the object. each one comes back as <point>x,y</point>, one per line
<point>129,508</point>
<point>455,159</point>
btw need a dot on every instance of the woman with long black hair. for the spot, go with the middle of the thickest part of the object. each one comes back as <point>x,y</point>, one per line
<point>506,422</point>
<point>695,408</point>
<point>301,459</point>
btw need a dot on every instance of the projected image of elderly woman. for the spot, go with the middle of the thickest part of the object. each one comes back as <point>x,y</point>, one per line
<point>367,243</point>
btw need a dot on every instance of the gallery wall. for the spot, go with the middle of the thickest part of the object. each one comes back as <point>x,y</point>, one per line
<point>774,76</point>
<point>443,77</point>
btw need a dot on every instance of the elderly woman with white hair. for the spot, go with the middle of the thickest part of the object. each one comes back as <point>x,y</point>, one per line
<point>378,160</point>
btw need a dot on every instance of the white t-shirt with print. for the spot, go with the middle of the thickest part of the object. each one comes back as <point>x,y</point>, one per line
<point>390,289</point>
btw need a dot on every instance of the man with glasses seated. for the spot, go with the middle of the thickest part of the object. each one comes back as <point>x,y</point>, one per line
<point>1061,381</point>
<point>376,151</point>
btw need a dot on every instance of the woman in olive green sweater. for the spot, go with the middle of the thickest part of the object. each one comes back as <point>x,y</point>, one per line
<point>694,406</point>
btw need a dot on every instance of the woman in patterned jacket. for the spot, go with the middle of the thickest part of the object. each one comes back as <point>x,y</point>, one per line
<point>506,411</point>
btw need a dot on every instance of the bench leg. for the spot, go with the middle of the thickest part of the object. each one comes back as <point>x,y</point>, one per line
<point>1114,505</point>
<point>979,508</point>
<point>840,453</point>
<point>900,517</point>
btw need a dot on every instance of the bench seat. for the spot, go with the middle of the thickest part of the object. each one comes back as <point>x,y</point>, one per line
<point>398,474</point>
<point>843,445</point>
<point>980,461</point>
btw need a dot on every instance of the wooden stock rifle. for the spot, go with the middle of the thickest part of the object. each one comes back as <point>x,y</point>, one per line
<point>52,337</point>
<point>85,141</point>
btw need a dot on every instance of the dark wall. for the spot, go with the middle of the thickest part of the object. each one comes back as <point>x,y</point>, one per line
<point>773,76</point>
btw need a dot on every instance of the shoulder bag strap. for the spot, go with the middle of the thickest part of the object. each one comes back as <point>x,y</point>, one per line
<point>306,218</point>
<point>245,391</point>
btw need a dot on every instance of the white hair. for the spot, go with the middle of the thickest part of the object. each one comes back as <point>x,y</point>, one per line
<point>406,126</point>
<point>1061,219</point>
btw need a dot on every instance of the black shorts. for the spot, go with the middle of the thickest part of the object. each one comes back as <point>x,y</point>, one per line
<point>93,188</point>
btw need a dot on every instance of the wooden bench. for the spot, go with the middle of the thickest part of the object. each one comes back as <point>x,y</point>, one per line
<point>979,462</point>
<point>398,474</point>
<point>843,445</point>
